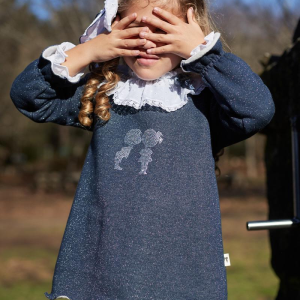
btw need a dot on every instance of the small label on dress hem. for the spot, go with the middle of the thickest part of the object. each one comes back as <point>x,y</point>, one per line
<point>226,260</point>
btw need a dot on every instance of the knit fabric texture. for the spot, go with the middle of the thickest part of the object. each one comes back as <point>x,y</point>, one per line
<point>145,222</point>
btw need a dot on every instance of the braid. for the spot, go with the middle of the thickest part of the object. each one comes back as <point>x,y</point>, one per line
<point>100,106</point>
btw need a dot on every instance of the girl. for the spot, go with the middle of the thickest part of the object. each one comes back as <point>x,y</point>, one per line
<point>145,222</point>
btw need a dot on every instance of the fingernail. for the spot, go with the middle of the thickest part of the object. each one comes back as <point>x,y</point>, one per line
<point>149,50</point>
<point>156,9</point>
<point>192,9</point>
<point>134,14</point>
<point>144,19</point>
<point>143,34</point>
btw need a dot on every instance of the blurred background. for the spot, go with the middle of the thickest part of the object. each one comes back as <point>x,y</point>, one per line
<point>41,163</point>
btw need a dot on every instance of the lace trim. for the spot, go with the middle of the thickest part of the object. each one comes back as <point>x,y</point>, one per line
<point>169,92</point>
<point>126,110</point>
<point>209,38</point>
<point>56,55</point>
<point>199,53</point>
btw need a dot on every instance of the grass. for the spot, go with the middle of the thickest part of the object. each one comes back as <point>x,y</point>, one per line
<point>250,276</point>
<point>24,290</point>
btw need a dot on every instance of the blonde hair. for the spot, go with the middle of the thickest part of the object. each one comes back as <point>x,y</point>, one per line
<point>94,100</point>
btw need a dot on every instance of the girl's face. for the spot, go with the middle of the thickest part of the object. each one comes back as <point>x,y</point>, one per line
<point>148,69</point>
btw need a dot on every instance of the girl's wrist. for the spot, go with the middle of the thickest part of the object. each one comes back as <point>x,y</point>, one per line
<point>82,52</point>
<point>88,51</point>
<point>78,58</point>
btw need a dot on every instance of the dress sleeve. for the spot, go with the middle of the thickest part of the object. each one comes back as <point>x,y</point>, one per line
<point>240,104</point>
<point>43,97</point>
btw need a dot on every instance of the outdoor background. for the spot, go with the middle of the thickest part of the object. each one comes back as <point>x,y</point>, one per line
<point>40,163</point>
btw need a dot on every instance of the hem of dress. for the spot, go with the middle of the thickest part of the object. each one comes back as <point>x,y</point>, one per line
<point>54,296</point>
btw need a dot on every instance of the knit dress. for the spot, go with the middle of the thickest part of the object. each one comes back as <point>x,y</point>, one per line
<point>145,221</point>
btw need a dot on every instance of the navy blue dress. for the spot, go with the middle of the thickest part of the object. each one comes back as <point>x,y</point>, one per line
<point>145,222</point>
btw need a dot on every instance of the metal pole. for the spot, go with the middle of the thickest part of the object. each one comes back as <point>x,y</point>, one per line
<point>295,222</point>
<point>295,122</point>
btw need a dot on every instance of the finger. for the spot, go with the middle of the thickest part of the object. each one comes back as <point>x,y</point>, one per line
<point>149,44</point>
<point>116,21</point>
<point>172,19</point>
<point>156,37</point>
<point>191,15</point>
<point>166,27</point>
<point>126,21</point>
<point>129,32</point>
<point>160,50</point>
<point>125,52</point>
<point>132,43</point>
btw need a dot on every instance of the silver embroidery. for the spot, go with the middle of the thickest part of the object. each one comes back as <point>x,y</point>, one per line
<point>132,138</point>
<point>150,139</point>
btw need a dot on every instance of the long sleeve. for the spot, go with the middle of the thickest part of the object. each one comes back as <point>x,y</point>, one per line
<point>45,97</point>
<point>240,103</point>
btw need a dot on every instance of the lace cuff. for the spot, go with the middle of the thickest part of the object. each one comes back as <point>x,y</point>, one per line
<point>201,49</point>
<point>56,55</point>
<point>209,38</point>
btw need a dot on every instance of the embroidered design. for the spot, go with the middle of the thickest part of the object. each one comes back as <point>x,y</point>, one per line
<point>150,139</point>
<point>133,137</point>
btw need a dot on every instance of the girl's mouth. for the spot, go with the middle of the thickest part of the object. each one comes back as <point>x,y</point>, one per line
<point>146,59</point>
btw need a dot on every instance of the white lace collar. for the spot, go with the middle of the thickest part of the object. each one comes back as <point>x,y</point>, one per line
<point>170,91</point>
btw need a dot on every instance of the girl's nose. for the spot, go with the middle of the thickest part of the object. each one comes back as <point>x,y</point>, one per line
<point>148,45</point>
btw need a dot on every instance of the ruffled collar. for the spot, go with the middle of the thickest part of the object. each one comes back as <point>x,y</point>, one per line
<point>169,92</point>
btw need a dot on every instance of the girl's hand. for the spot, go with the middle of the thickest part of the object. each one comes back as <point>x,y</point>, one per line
<point>107,46</point>
<point>180,38</point>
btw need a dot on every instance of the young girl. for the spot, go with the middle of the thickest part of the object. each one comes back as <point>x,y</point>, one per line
<point>145,222</point>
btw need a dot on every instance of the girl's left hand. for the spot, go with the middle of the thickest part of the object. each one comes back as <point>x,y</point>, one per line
<point>180,38</point>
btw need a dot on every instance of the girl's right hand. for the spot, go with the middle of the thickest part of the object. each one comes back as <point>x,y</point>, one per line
<point>118,42</point>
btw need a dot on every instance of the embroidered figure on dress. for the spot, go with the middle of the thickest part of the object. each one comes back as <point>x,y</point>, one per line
<point>132,138</point>
<point>150,139</point>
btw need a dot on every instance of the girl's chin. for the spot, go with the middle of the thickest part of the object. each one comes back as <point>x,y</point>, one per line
<point>146,73</point>
<point>142,74</point>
